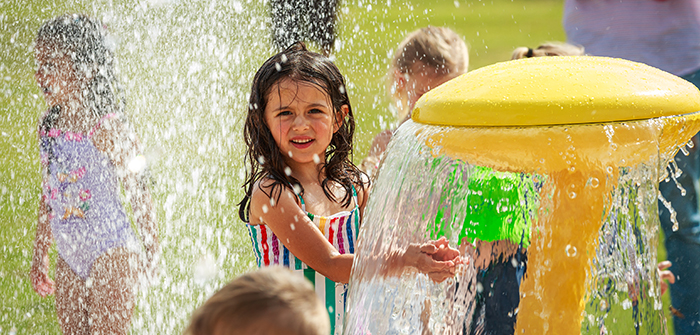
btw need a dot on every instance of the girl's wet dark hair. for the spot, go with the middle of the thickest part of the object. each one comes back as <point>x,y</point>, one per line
<point>263,156</point>
<point>84,40</point>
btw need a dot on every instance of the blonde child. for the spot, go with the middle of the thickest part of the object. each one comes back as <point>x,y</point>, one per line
<point>425,59</point>
<point>299,133</point>
<point>86,151</point>
<point>549,49</point>
<point>267,301</point>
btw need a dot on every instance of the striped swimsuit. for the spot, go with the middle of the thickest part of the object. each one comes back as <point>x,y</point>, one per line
<point>340,230</point>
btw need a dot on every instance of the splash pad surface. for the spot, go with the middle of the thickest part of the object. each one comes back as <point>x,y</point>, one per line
<point>594,135</point>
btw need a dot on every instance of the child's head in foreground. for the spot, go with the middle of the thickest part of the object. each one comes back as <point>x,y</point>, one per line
<point>300,69</point>
<point>549,49</point>
<point>425,59</point>
<point>271,300</point>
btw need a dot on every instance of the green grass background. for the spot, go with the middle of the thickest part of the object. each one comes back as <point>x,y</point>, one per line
<point>186,67</point>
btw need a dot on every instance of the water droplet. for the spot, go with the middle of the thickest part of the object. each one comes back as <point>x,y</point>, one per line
<point>541,160</point>
<point>289,153</point>
<point>278,67</point>
<point>292,226</point>
<point>265,208</point>
<point>287,171</point>
<point>685,151</point>
<point>570,250</point>
<point>261,160</point>
<point>137,164</point>
<point>690,144</point>
<point>609,169</point>
<point>594,182</point>
<point>572,195</point>
<point>316,159</point>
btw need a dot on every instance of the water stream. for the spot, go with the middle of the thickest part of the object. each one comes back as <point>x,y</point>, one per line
<point>555,246</point>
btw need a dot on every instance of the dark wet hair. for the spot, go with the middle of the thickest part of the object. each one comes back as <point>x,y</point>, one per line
<point>84,40</point>
<point>263,156</point>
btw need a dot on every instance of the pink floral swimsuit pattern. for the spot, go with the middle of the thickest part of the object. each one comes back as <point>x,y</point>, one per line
<point>82,192</point>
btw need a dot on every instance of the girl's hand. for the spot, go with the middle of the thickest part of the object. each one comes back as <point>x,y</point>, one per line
<point>150,264</point>
<point>434,258</point>
<point>41,283</point>
<point>665,275</point>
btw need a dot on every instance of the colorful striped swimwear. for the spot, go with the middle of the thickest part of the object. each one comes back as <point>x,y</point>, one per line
<point>340,230</point>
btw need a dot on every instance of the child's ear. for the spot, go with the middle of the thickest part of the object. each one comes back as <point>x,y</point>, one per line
<point>344,110</point>
<point>399,80</point>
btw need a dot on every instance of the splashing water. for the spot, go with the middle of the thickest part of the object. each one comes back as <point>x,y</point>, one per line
<point>532,255</point>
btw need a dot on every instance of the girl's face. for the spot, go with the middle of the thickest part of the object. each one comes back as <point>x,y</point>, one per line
<point>55,75</point>
<point>302,121</point>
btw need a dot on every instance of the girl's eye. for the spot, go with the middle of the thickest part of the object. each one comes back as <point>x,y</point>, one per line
<point>284,113</point>
<point>315,110</point>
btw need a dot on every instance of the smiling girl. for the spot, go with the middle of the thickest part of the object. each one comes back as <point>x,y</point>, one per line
<point>304,198</point>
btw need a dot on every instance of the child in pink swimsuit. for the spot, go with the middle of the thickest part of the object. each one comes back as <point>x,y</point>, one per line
<point>86,151</point>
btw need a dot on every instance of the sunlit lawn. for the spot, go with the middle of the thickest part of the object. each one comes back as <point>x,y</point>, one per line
<point>368,32</point>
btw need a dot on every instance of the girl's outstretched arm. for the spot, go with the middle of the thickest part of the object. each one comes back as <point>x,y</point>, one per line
<point>123,148</point>
<point>301,236</point>
<point>39,274</point>
<point>298,233</point>
<point>435,258</point>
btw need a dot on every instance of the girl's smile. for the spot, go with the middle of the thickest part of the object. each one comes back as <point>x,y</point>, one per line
<point>301,118</point>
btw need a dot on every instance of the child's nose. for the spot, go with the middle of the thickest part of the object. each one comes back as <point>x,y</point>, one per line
<point>300,121</point>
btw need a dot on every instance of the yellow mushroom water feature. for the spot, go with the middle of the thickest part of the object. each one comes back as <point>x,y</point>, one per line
<point>544,173</point>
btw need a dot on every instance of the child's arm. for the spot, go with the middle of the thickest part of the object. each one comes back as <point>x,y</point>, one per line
<point>123,148</point>
<point>298,233</point>
<point>301,236</point>
<point>39,274</point>
<point>435,258</point>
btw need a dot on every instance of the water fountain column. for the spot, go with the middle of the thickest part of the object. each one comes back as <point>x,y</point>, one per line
<point>599,133</point>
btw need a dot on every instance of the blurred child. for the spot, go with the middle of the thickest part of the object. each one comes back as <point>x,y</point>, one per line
<point>267,301</point>
<point>299,133</point>
<point>87,149</point>
<point>549,49</point>
<point>425,59</point>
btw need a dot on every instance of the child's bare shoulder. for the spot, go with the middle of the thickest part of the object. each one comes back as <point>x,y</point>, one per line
<point>269,190</point>
<point>363,190</point>
<point>107,131</point>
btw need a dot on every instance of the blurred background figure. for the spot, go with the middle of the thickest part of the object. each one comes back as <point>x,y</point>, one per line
<point>549,49</point>
<point>93,167</point>
<point>663,34</point>
<point>299,20</point>
<point>425,59</point>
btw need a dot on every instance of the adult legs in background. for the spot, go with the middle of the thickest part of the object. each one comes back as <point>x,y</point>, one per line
<point>112,291</point>
<point>71,300</point>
